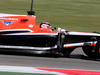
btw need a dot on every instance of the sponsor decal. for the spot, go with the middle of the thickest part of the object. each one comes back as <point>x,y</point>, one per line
<point>12,19</point>
<point>31,26</point>
<point>7,23</point>
<point>42,30</point>
<point>33,16</point>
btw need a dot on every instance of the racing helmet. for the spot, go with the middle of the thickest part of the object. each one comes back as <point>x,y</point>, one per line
<point>45,25</point>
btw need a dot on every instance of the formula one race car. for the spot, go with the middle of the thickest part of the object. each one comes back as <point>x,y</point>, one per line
<point>22,32</point>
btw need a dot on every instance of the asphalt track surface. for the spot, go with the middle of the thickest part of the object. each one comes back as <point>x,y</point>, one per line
<point>77,60</point>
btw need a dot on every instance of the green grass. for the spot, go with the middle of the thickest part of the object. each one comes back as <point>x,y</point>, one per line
<point>77,15</point>
<point>14,73</point>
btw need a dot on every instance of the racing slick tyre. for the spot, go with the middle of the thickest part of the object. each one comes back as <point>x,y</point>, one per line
<point>97,49</point>
<point>89,50</point>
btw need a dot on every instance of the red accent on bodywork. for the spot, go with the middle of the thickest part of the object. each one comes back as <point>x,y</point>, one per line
<point>22,22</point>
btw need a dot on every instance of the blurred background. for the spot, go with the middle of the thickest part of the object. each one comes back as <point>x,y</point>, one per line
<point>77,15</point>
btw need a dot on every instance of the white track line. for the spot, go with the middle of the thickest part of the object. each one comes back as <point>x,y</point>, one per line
<point>26,70</point>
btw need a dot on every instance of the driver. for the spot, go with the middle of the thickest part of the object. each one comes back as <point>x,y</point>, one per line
<point>45,25</point>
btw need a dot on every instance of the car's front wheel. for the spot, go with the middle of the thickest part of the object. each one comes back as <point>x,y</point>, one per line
<point>97,49</point>
<point>89,51</point>
<point>92,51</point>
